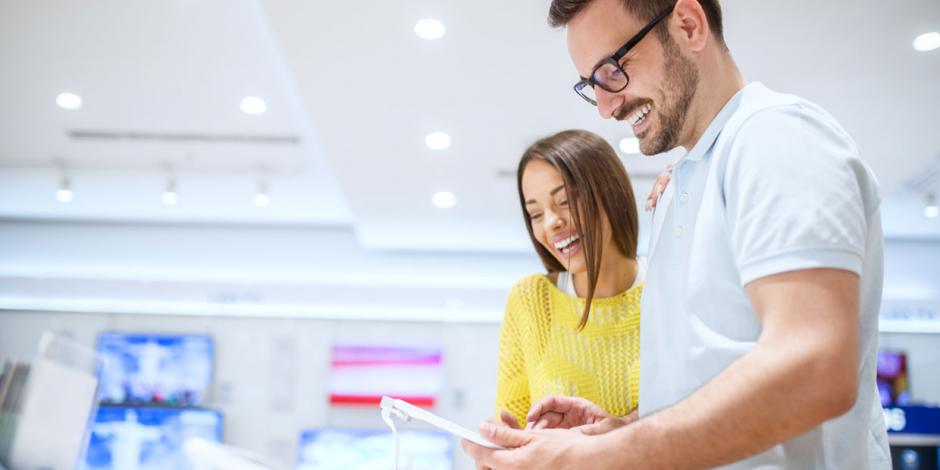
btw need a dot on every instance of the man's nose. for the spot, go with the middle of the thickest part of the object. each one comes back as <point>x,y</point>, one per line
<point>607,102</point>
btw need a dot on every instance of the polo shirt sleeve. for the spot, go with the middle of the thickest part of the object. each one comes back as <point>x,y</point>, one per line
<point>794,194</point>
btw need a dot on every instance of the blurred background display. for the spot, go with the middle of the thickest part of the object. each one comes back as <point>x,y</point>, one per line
<point>350,449</point>
<point>145,438</point>
<point>155,369</point>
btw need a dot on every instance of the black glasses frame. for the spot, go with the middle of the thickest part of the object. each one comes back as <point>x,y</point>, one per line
<point>615,60</point>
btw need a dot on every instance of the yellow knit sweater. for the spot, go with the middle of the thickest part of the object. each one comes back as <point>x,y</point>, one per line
<point>542,353</point>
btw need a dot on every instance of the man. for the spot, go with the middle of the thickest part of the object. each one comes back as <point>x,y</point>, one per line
<point>759,314</point>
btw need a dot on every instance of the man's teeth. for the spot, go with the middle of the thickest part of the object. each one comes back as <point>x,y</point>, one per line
<point>563,244</point>
<point>638,116</point>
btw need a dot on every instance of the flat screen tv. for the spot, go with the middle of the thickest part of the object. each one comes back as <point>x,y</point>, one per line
<point>172,370</point>
<point>147,438</point>
<point>893,381</point>
<point>359,449</point>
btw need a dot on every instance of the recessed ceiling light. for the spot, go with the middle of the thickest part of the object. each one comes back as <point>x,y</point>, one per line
<point>927,42</point>
<point>64,193</point>
<point>429,29</point>
<point>437,141</point>
<point>931,210</point>
<point>170,197</point>
<point>262,200</point>
<point>444,199</point>
<point>253,105</point>
<point>262,197</point>
<point>630,146</point>
<point>69,101</point>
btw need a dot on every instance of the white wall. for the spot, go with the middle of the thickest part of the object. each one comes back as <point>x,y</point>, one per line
<point>299,271</point>
<point>912,269</point>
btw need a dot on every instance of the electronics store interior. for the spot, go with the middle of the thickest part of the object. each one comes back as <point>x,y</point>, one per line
<point>204,266</point>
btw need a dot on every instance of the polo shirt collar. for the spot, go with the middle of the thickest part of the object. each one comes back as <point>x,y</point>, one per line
<point>705,143</point>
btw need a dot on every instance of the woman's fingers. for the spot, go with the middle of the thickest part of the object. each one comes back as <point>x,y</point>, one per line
<point>508,419</point>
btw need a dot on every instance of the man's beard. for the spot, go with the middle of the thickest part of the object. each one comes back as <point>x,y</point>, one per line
<point>681,83</point>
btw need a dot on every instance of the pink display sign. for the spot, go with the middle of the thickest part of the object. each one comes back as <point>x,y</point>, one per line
<point>361,375</point>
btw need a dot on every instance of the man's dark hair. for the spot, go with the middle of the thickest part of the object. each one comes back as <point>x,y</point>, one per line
<point>562,11</point>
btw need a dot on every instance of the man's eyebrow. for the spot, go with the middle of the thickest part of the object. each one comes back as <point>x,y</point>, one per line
<point>601,61</point>
<point>608,57</point>
<point>598,64</point>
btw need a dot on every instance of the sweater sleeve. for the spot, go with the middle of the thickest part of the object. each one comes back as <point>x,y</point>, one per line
<point>512,385</point>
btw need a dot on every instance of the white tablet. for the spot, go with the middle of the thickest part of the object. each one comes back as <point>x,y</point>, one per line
<point>413,412</point>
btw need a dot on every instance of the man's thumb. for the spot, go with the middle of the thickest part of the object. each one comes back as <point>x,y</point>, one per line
<point>503,436</point>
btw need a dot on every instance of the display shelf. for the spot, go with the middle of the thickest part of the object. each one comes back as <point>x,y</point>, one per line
<point>909,326</point>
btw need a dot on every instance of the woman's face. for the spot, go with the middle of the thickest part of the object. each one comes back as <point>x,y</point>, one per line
<point>546,203</point>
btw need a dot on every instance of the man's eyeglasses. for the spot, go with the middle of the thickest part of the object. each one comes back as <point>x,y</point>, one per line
<point>609,74</point>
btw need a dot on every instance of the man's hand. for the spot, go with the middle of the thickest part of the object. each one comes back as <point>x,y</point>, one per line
<point>548,449</point>
<point>506,419</point>
<point>565,412</point>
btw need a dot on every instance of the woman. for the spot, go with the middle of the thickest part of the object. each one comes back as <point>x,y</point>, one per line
<point>575,330</point>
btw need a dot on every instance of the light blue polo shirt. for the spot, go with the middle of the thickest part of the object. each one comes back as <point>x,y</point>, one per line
<point>774,185</point>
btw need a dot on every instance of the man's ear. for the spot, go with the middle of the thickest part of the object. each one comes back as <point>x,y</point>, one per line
<point>692,21</point>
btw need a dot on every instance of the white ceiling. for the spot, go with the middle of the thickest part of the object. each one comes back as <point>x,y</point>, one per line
<point>357,90</point>
<point>174,68</point>
<point>152,67</point>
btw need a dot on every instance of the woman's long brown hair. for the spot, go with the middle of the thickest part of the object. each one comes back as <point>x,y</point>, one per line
<point>597,185</point>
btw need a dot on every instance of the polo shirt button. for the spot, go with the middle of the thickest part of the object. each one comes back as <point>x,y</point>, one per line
<point>684,197</point>
<point>679,231</point>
